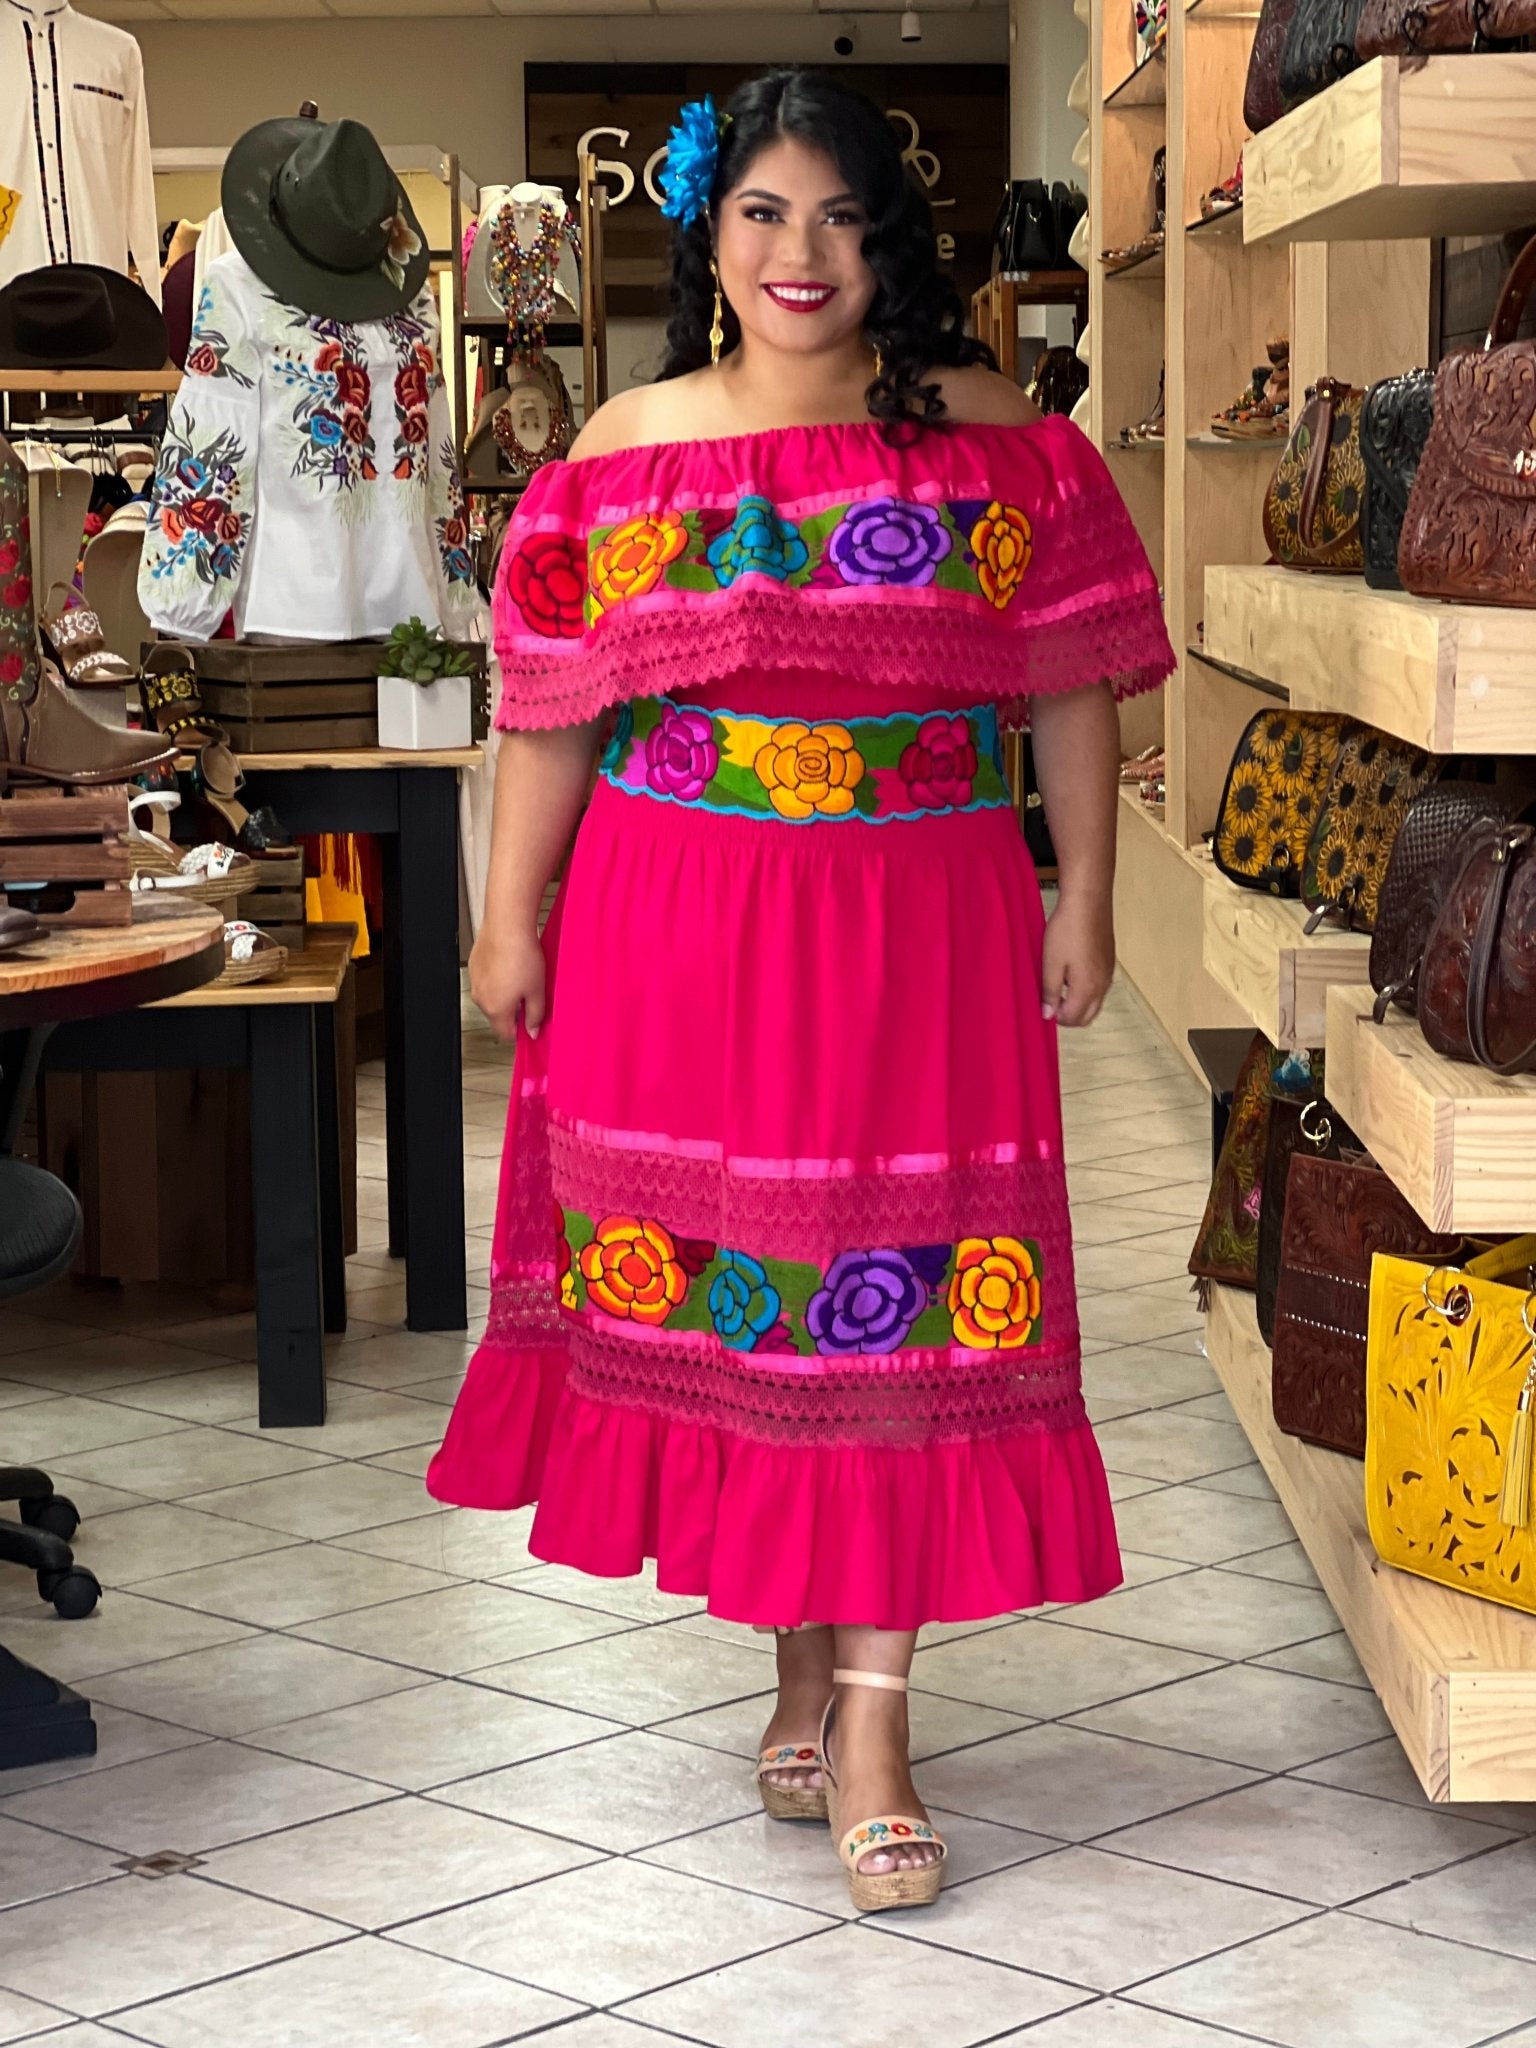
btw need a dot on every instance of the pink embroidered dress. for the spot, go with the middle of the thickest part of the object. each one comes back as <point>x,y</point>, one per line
<point>782,1278</point>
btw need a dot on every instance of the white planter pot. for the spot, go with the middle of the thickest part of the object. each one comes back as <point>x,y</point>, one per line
<point>415,715</point>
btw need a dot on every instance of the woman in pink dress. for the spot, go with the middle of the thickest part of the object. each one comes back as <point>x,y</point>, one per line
<point>782,1279</point>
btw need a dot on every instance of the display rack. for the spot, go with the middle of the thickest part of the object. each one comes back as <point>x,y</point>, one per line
<point>1368,171</point>
<point>995,309</point>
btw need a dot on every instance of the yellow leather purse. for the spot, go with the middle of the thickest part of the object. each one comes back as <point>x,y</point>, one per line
<point>1450,1380</point>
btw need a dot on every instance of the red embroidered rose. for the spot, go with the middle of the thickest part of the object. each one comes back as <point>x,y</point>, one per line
<point>10,555</point>
<point>203,361</point>
<point>10,668</point>
<point>547,581</point>
<point>425,357</point>
<point>204,514</point>
<point>411,386</point>
<point>414,428</point>
<point>352,386</point>
<point>17,592</point>
<point>939,766</point>
<point>329,356</point>
<point>355,426</point>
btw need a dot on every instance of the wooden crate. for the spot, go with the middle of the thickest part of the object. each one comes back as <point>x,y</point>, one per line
<point>293,699</point>
<point>277,901</point>
<point>75,838</point>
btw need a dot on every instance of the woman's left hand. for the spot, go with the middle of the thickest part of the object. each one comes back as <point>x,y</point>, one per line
<point>1079,960</point>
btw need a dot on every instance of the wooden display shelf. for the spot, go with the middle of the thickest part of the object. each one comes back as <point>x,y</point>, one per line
<point>1152,265</point>
<point>1455,679</point>
<point>1146,86</point>
<point>1459,1142</point>
<point>363,758</point>
<point>1443,147</point>
<point>129,383</point>
<point>1255,948</point>
<point>1457,1676</point>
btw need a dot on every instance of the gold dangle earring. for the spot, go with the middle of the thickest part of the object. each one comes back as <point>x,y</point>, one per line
<point>717,332</point>
<point>879,363</point>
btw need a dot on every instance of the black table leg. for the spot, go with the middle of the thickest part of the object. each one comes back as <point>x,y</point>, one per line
<point>285,1188</point>
<point>394,1036</point>
<point>423,1047</point>
<point>333,1254</point>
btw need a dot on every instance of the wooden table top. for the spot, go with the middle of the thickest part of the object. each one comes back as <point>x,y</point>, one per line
<point>313,975</point>
<point>371,757</point>
<point>160,933</point>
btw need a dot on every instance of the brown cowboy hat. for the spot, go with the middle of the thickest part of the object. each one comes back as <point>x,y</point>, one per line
<point>79,316</point>
<point>318,214</point>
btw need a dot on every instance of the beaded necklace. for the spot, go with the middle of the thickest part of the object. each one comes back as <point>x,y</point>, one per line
<point>524,279</point>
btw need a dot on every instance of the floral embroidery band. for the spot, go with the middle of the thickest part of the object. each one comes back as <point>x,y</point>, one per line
<point>911,765</point>
<point>972,547</point>
<point>982,1294</point>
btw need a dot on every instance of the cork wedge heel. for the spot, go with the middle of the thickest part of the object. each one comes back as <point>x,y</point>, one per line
<point>880,1891</point>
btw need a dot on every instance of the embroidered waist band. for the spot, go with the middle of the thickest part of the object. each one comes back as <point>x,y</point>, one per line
<point>911,765</point>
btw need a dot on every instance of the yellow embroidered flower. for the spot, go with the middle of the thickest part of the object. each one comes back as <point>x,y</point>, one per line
<point>568,1290</point>
<point>994,1293</point>
<point>631,560</point>
<point>1002,540</point>
<point>632,1270</point>
<point>808,769</point>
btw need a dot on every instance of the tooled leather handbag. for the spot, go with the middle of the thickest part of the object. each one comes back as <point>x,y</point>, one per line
<point>1432,836</point>
<point>1470,528</point>
<point>1477,986</point>
<point>1312,505</point>
<point>1316,1130</point>
<point>1227,1244</point>
<point>1274,790</point>
<point>1319,48</point>
<point>1346,858</point>
<point>1418,28</point>
<point>1394,427</point>
<point>1338,1215</point>
<point>1262,101</point>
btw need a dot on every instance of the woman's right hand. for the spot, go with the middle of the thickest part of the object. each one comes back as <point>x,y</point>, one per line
<point>507,974</point>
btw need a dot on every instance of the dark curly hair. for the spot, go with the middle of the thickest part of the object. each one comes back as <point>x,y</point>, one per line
<point>916,317</point>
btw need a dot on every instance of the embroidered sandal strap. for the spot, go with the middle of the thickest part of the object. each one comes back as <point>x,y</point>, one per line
<point>888,1831</point>
<point>791,1756</point>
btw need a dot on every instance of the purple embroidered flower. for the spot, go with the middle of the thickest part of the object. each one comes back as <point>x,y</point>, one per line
<point>868,1302</point>
<point>888,540</point>
<point>681,756</point>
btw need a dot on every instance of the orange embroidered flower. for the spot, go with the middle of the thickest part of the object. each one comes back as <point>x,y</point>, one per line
<point>810,768</point>
<point>632,1270</point>
<point>631,560</point>
<point>994,1294</point>
<point>1002,540</point>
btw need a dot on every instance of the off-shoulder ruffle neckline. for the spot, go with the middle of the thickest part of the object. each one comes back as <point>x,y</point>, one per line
<point>943,432</point>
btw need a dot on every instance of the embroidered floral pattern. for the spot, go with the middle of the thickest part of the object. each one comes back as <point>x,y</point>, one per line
<point>196,508</point>
<point>333,408</point>
<point>547,581</point>
<point>982,1294</point>
<point>209,353</point>
<point>631,560</point>
<point>906,766</point>
<point>994,1293</point>
<point>757,542</point>
<point>452,527</point>
<point>416,378</point>
<point>887,541</point>
<point>1002,541</point>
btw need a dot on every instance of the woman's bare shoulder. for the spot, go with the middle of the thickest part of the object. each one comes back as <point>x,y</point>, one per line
<point>977,396</point>
<point>641,417</point>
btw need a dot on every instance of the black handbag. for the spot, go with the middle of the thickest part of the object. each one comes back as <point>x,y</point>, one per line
<point>1319,47</point>
<point>1068,205</point>
<point>1031,225</point>
<point>1394,426</point>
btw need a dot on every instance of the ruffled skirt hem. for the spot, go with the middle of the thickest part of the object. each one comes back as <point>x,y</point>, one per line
<point>776,1535</point>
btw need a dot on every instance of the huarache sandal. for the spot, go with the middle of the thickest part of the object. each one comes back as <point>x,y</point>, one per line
<point>250,955</point>
<point>792,1802</point>
<point>879,1891</point>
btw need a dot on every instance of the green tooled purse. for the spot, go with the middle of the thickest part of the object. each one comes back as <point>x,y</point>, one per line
<point>1276,785</point>
<point>1313,507</point>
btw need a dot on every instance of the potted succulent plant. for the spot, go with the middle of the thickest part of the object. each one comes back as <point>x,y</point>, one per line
<point>424,688</point>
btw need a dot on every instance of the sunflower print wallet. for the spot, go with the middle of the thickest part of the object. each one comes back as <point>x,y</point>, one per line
<point>1274,795</point>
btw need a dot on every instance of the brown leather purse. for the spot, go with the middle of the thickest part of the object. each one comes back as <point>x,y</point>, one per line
<point>1263,102</point>
<point>1313,504</point>
<point>1418,28</point>
<point>1315,1129</point>
<point>1470,528</point>
<point>1477,986</point>
<point>1431,841</point>
<point>1337,1216</point>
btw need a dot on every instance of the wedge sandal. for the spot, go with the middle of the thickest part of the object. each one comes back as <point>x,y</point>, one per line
<point>880,1891</point>
<point>792,1802</point>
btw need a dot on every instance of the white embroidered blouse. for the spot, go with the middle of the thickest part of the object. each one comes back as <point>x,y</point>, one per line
<point>307,477</point>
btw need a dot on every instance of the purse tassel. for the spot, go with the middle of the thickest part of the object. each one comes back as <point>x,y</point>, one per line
<point>1515,1494</point>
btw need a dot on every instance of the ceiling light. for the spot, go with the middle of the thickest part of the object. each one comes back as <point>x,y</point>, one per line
<point>911,26</point>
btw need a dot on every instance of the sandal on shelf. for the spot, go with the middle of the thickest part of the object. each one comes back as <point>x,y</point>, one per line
<point>1148,762</point>
<point>879,1891</point>
<point>1154,426</point>
<point>792,1802</point>
<point>250,955</point>
<point>202,874</point>
<point>72,636</point>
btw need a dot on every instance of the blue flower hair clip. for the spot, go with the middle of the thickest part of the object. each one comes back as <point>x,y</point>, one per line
<point>693,156</point>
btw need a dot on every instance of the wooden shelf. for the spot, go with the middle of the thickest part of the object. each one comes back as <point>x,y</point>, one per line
<point>1151,265</point>
<point>1044,287</point>
<point>1146,86</point>
<point>1456,679</point>
<point>1135,447</point>
<point>1227,222</point>
<point>1255,948</point>
<point>129,383</point>
<point>1458,1141</point>
<point>363,759</point>
<point>1229,441</point>
<point>1444,148</point>
<point>1457,1676</point>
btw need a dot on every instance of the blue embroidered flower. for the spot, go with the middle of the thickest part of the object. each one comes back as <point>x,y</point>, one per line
<point>757,542</point>
<point>324,429</point>
<point>742,1304</point>
<point>192,472</point>
<point>693,153</point>
<point>618,746</point>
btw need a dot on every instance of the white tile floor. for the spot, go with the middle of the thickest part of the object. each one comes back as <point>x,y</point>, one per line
<point>443,1796</point>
